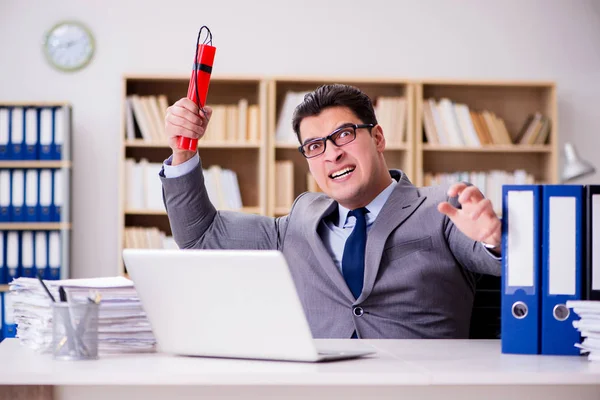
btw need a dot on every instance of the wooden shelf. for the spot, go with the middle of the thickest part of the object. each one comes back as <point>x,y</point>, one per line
<point>249,210</point>
<point>35,164</point>
<point>490,149</point>
<point>396,147</point>
<point>279,211</point>
<point>255,163</point>
<point>34,104</point>
<point>140,143</point>
<point>145,212</point>
<point>293,146</point>
<point>34,226</point>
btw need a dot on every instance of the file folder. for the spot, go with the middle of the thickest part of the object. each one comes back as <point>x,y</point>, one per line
<point>592,243</point>
<point>9,327</point>
<point>41,254</point>
<point>5,195</point>
<point>27,255</point>
<point>46,128</point>
<point>31,134</point>
<point>1,316</point>
<point>17,201</point>
<point>31,195</point>
<point>521,263</point>
<point>17,128</point>
<point>2,258</point>
<point>58,137</point>
<point>4,134</point>
<point>45,195</point>
<point>562,259</point>
<point>54,254</point>
<point>57,195</point>
<point>13,256</point>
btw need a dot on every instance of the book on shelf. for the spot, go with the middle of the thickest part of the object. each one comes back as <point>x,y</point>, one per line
<point>231,123</point>
<point>284,132</point>
<point>391,113</point>
<point>535,130</point>
<point>137,237</point>
<point>223,188</point>
<point>144,189</point>
<point>284,176</point>
<point>311,184</point>
<point>142,182</point>
<point>147,113</point>
<point>448,123</point>
<point>237,124</point>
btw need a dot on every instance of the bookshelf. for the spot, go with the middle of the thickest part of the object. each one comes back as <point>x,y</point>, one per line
<point>35,159</point>
<point>291,167</point>
<point>235,141</point>
<point>35,197</point>
<point>271,172</point>
<point>508,104</point>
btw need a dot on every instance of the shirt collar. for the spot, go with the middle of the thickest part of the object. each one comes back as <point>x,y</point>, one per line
<point>374,206</point>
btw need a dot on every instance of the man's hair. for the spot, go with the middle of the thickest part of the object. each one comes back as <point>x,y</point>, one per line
<point>336,95</point>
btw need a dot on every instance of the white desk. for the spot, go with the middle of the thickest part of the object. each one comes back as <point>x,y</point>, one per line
<point>432,369</point>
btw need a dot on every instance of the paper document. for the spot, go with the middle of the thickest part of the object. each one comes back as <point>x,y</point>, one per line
<point>122,326</point>
<point>588,326</point>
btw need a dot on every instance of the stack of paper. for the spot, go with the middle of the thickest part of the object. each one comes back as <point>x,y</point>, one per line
<point>122,323</point>
<point>588,325</point>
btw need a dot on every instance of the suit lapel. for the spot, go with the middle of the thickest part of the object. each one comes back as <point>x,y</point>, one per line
<point>323,207</point>
<point>401,204</point>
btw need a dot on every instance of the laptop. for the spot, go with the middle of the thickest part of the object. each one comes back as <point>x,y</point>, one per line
<point>226,303</point>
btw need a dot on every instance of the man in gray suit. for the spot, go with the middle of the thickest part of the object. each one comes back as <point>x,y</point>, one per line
<point>371,257</point>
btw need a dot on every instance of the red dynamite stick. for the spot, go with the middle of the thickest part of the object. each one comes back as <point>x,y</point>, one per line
<point>199,80</point>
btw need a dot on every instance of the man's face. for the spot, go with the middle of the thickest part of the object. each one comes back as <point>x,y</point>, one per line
<point>350,174</point>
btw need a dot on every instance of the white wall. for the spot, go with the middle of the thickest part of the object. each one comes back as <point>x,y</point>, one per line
<point>510,39</point>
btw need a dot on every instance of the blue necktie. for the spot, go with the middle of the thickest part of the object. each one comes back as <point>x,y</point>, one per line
<point>353,259</point>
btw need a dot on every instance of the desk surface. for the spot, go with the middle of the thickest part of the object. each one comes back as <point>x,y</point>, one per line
<point>396,363</point>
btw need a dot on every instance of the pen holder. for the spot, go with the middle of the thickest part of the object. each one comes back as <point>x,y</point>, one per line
<point>75,331</point>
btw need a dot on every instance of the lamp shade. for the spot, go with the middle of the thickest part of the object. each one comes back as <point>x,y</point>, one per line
<point>574,167</point>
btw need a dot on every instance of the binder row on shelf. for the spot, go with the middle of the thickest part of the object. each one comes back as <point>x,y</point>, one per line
<point>30,254</point>
<point>31,195</point>
<point>33,133</point>
<point>549,259</point>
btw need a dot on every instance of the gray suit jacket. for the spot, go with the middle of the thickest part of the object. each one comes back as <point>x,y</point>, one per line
<point>419,268</point>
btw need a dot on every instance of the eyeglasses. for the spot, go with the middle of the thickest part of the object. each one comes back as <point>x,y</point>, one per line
<point>339,137</point>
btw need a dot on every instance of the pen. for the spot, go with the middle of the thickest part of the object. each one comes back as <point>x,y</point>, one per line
<point>62,294</point>
<point>70,337</point>
<point>46,289</point>
<point>80,331</point>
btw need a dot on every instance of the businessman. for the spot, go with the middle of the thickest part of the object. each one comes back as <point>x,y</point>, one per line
<point>371,257</point>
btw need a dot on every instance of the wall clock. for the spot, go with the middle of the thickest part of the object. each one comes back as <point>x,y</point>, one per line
<point>69,46</point>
